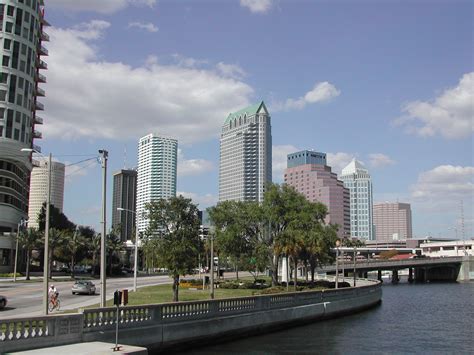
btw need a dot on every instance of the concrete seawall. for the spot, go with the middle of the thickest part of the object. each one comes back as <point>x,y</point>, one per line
<point>164,326</point>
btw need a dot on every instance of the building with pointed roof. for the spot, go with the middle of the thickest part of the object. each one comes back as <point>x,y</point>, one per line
<point>357,179</point>
<point>245,154</point>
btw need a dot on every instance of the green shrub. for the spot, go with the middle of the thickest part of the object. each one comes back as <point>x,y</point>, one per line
<point>10,275</point>
<point>270,290</point>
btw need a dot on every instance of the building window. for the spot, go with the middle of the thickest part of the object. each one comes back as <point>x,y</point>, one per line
<point>6,61</point>
<point>9,27</point>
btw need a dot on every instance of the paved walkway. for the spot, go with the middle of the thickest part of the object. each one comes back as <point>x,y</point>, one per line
<point>92,348</point>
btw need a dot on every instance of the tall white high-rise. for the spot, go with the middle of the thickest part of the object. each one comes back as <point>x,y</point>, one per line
<point>357,179</point>
<point>21,47</point>
<point>39,189</point>
<point>157,162</point>
<point>245,154</point>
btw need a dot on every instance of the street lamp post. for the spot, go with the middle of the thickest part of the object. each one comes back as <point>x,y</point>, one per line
<point>46,233</point>
<point>103,270</point>
<point>338,243</point>
<point>23,222</point>
<point>136,248</point>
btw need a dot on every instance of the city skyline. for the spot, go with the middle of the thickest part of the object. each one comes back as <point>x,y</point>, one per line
<point>362,87</point>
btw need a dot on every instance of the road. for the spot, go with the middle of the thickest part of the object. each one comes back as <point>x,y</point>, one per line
<point>26,298</point>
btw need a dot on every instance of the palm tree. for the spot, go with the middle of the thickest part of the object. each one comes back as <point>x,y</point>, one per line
<point>56,238</point>
<point>28,240</point>
<point>94,248</point>
<point>72,243</point>
<point>114,246</point>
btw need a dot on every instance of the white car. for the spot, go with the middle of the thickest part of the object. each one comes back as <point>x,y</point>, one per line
<point>83,287</point>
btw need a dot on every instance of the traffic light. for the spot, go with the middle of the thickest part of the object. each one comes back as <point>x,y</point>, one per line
<point>124,297</point>
<point>117,297</point>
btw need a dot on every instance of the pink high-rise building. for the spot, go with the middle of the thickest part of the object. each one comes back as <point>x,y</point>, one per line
<point>308,173</point>
<point>392,221</point>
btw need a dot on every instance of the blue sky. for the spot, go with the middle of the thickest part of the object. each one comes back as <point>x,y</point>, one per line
<point>388,82</point>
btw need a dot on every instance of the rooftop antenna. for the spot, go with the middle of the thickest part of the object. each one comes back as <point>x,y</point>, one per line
<point>125,157</point>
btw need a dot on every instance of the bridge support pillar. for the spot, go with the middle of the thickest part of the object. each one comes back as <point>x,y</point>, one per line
<point>379,275</point>
<point>395,277</point>
<point>420,274</point>
<point>410,275</point>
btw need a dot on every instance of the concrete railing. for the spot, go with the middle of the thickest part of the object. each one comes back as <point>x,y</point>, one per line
<point>161,325</point>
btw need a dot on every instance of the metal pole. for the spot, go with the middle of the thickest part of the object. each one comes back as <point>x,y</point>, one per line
<point>46,241</point>
<point>16,250</point>
<point>355,250</point>
<point>342,265</point>
<point>337,266</point>
<point>212,265</point>
<point>136,258</point>
<point>103,236</point>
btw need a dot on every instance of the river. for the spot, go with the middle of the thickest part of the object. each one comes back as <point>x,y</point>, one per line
<point>431,318</point>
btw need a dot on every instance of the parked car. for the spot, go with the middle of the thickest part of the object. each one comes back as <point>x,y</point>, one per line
<point>83,287</point>
<point>3,302</point>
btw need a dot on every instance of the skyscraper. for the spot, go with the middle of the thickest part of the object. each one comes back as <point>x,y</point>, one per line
<point>156,179</point>
<point>357,179</point>
<point>245,154</point>
<point>308,173</point>
<point>124,196</point>
<point>392,221</point>
<point>39,189</point>
<point>21,38</point>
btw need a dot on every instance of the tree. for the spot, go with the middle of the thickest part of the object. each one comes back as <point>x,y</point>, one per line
<point>175,223</point>
<point>55,241</point>
<point>94,249</point>
<point>229,219</point>
<point>28,240</point>
<point>72,244</point>
<point>282,205</point>
<point>114,246</point>
<point>57,219</point>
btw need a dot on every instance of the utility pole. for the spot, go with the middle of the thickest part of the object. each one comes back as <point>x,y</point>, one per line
<point>23,222</point>
<point>46,241</point>
<point>211,235</point>
<point>103,270</point>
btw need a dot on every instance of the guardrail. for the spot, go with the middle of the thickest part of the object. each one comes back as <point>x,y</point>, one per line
<point>28,333</point>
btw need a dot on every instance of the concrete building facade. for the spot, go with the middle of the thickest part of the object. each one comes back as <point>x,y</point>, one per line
<point>21,38</point>
<point>357,179</point>
<point>392,221</point>
<point>156,174</point>
<point>124,196</point>
<point>39,189</point>
<point>245,154</point>
<point>308,173</point>
<point>21,47</point>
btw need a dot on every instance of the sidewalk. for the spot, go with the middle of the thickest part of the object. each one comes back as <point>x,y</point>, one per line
<point>94,348</point>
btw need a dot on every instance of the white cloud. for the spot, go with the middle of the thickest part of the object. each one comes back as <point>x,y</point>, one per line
<point>321,92</point>
<point>91,97</point>
<point>257,6</point>
<point>378,160</point>
<point>231,70</point>
<point>203,201</point>
<point>143,26</point>
<point>279,160</point>
<point>450,115</point>
<point>101,6</point>
<point>191,167</point>
<point>444,186</point>
<point>338,161</point>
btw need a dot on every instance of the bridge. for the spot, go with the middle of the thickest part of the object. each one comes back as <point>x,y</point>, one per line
<point>419,269</point>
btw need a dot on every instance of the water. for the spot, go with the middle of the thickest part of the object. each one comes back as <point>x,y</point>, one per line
<point>432,318</point>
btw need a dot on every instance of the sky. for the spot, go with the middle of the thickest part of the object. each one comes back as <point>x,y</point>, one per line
<point>388,82</point>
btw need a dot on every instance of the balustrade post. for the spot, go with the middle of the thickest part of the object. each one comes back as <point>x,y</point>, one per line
<point>157,314</point>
